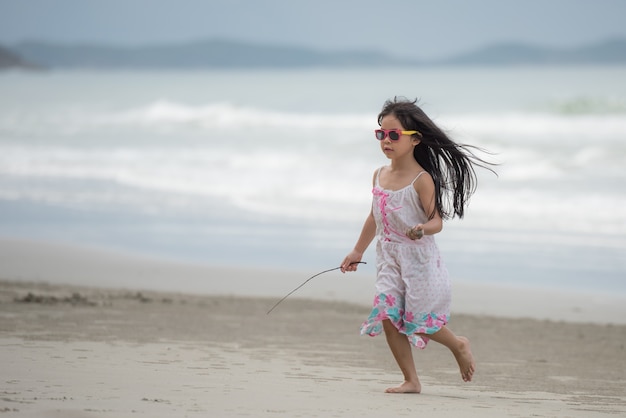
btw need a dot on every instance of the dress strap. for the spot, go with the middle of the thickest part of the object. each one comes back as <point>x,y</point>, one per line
<point>418,176</point>
<point>378,176</point>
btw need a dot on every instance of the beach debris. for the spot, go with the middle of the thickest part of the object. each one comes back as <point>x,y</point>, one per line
<point>140,297</point>
<point>156,400</point>
<point>88,298</point>
<point>75,299</point>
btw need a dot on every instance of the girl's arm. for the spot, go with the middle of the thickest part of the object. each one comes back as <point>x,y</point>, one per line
<point>367,235</point>
<point>425,188</point>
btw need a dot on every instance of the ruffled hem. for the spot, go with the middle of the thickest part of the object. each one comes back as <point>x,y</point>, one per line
<point>406,322</point>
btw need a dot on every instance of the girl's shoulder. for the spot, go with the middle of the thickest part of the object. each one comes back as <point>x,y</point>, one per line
<point>423,181</point>
<point>423,175</point>
<point>376,176</point>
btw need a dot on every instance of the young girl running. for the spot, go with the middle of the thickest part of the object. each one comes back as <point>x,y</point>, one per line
<point>430,178</point>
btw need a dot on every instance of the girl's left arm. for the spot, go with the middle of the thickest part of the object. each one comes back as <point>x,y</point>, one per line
<point>425,188</point>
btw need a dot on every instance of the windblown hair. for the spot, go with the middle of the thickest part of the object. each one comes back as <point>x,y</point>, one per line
<point>451,165</point>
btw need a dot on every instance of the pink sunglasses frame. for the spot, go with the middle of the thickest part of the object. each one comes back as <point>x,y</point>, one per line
<point>400,132</point>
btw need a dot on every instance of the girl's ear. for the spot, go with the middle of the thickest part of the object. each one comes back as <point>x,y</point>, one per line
<point>416,141</point>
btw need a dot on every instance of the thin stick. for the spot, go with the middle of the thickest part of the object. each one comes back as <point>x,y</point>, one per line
<point>306,281</point>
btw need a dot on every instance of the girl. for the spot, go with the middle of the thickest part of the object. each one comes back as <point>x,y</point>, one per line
<point>430,178</point>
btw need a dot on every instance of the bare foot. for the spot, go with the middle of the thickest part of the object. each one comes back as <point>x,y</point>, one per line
<point>465,359</point>
<point>406,387</point>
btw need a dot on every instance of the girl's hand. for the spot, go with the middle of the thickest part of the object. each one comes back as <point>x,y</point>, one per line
<point>417,232</point>
<point>350,262</point>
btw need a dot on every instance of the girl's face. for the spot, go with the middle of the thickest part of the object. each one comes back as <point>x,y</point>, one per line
<point>400,148</point>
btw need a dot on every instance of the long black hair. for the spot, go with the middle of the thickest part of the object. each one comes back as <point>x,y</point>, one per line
<point>451,165</point>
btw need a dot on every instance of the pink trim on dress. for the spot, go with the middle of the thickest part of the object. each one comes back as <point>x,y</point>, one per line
<point>382,197</point>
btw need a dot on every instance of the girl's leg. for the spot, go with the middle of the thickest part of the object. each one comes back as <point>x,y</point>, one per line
<point>460,347</point>
<point>401,349</point>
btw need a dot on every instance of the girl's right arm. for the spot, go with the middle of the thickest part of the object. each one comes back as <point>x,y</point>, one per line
<point>367,235</point>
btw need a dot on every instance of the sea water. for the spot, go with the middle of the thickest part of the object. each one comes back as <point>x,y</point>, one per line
<point>274,168</point>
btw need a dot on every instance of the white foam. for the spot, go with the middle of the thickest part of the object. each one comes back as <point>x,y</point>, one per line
<point>306,165</point>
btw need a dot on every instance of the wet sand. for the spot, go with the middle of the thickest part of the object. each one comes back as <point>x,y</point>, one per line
<point>72,351</point>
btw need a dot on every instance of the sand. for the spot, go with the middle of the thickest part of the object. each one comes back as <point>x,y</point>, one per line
<point>68,350</point>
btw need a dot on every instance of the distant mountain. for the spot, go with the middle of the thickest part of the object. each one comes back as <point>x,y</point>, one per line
<point>10,59</point>
<point>608,52</point>
<point>206,54</point>
<point>232,54</point>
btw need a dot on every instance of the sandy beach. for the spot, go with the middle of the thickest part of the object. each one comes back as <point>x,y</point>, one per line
<point>71,350</point>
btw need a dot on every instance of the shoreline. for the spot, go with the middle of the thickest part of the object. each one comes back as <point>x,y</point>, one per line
<point>64,264</point>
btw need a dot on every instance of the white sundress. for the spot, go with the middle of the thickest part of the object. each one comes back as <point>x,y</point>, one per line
<point>413,289</point>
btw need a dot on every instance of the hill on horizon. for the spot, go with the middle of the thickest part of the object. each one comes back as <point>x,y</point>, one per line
<point>219,53</point>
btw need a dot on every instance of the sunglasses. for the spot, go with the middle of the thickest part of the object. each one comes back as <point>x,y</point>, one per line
<point>393,134</point>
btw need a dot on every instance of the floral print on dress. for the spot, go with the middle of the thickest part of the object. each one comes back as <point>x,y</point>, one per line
<point>387,306</point>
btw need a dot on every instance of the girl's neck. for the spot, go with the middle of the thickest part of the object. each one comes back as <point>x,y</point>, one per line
<point>404,164</point>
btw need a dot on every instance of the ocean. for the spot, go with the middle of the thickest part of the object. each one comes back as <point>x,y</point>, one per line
<point>273,168</point>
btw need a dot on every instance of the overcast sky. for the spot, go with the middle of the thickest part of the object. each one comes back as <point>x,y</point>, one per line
<point>419,29</point>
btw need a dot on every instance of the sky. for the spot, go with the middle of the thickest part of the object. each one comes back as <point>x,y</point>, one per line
<point>414,28</point>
